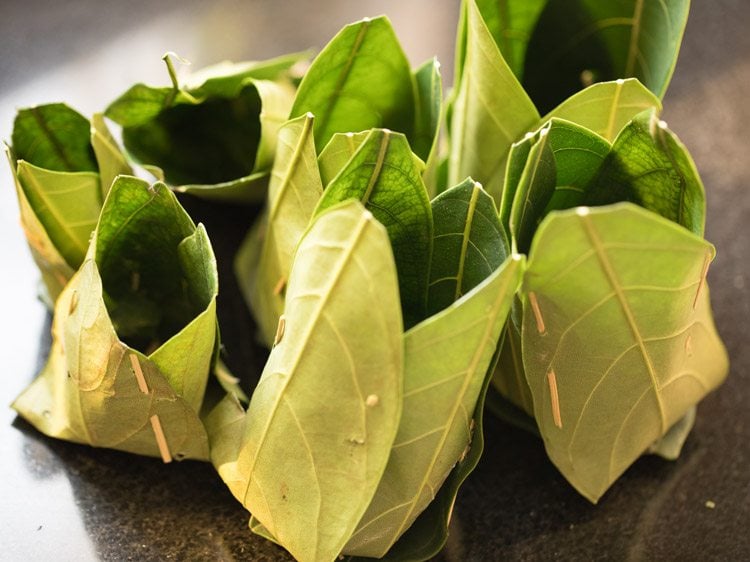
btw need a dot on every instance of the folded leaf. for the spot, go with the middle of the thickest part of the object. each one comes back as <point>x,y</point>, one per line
<point>386,177</point>
<point>618,339</point>
<point>511,24</point>
<point>607,107</point>
<point>293,194</point>
<point>427,107</point>
<point>576,42</point>
<point>321,422</point>
<point>337,153</point>
<point>54,137</point>
<point>446,360</point>
<point>360,80</point>
<point>54,160</point>
<point>649,166</point>
<point>96,388</point>
<point>216,139</point>
<point>468,243</point>
<point>490,113</point>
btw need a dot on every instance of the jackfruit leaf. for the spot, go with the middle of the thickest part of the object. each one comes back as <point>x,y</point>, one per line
<point>386,178</point>
<point>491,110</point>
<point>648,165</point>
<point>96,388</point>
<point>618,338</point>
<point>224,78</point>
<point>360,80</point>
<point>509,378</point>
<point>293,193</point>
<point>54,137</point>
<point>337,153</point>
<point>427,108</point>
<point>109,158</point>
<point>533,192</point>
<point>511,25</point>
<point>319,429</point>
<point>54,269</point>
<point>670,446</point>
<point>446,362</point>
<point>216,141</point>
<point>468,243</point>
<point>570,161</point>
<point>605,108</point>
<point>67,205</point>
<point>577,42</point>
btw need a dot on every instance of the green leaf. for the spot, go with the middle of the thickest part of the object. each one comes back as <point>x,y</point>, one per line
<point>446,361</point>
<point>490,113</point>
<point>534,191</point>
<point>319,429</point>
<point>607,107</point>
<point>386,177</point>
<point>54,269</point>
<point>509,378</point>
<point>578,154</point>
<point>468,243</point>
<point>337,154</point>
<point>618,339</point>
<point>360,80</point>
<point>226,78</point>
<point>577,42</point>
<point>429,101</point>
<point>550,169</point>
<point>54,137</point>
<point>67,205</point>
<point>293,194</point>
<point>670,445</point>
<point>111,162</point>
<point>649,166</point>
<point>98,390</point>
<point>216,140</point>
<point>511,24</point>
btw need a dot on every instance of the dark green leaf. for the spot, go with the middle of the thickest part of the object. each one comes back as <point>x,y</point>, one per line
<point>361,80</point>
<point>577,42</point>
<point>649,166</point>
<point>386,177</point>
<point>511,24</point>
<point>468,243</point>
<point>54,137</point>
<point>429,101</point>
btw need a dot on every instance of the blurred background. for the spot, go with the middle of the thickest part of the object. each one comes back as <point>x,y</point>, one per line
<point>66,502</point>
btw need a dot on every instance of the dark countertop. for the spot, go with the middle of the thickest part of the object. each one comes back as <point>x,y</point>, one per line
<point>68,502</point>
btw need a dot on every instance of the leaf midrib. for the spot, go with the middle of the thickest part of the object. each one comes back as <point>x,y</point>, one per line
<point>609,272</point>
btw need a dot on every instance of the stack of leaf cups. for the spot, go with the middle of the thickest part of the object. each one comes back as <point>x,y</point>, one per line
<point>393,289</point>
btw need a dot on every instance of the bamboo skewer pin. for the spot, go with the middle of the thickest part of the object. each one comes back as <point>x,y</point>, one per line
<point>161,439</point>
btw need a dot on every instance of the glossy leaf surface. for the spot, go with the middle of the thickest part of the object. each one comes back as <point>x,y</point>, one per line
<point>576,42</point>
<point>337,153</point>
<point>322,420</point>
<point>618,339</point>
<point>427,109</point>
<point>360,80</point>
<point>468,243</point>
<point>386,177</point>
